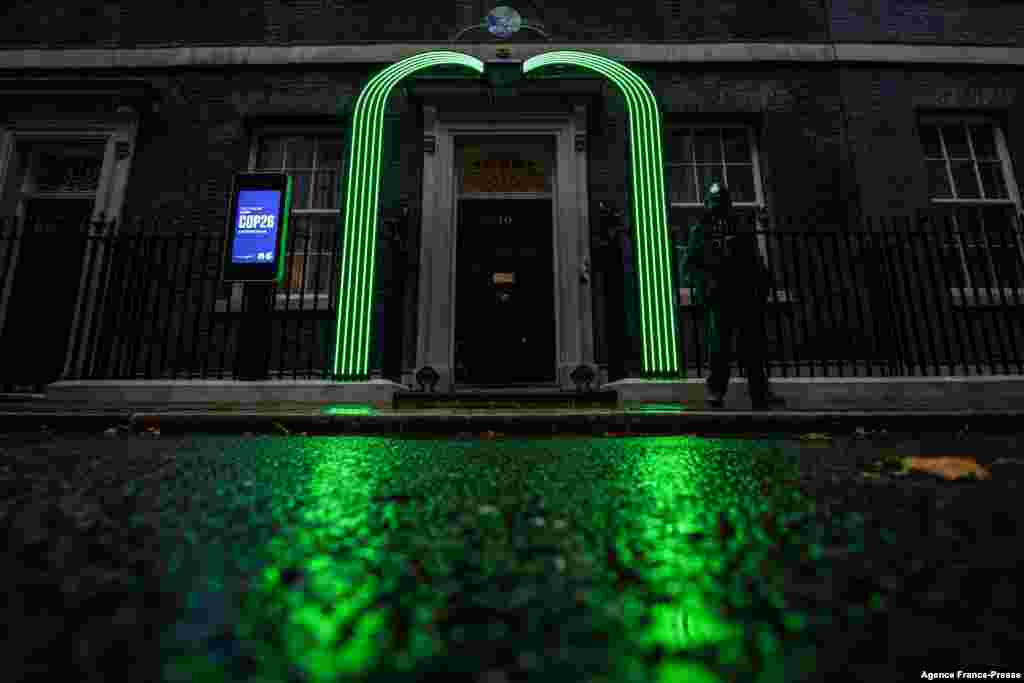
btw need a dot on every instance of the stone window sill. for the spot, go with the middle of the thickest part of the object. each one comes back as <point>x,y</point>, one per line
<point>987,297</point>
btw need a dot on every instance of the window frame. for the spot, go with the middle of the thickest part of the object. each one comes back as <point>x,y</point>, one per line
<point>976,296</point>
<point>289,299</point>
<point>758,205</point>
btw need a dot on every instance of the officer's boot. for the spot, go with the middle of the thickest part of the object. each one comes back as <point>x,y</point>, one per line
<point>715,399</point>
<point>718,339</point>
<point>717,382</point>
<point>761,395</point>
<point>765,399</point>
<point>767,402</point>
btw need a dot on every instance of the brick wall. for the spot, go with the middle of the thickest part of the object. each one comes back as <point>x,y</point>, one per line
<point>999,22</point>
<point>797,118</point>
<point>189,150</point>
<point>167,22</point>
<point>125,23</point>
<point>883,106</point>
<point>740,20</point>
<point>813,165</point>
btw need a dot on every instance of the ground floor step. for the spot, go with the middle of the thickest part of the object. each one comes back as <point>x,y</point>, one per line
<point>513,400</point>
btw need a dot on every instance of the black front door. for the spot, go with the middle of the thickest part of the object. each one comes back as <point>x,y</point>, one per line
<point>42,302</point>
<point>505,309</point>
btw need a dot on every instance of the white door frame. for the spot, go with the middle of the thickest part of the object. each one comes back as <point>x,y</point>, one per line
<point>119,139</point>
<point>571,249</point>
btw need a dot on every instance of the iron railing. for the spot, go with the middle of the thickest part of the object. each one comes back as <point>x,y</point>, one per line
<point>920,295</point>
<point>925,295</point>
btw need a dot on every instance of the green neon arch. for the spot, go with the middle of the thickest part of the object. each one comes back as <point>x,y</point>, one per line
<point>355,282</point>
<point>657,311</point>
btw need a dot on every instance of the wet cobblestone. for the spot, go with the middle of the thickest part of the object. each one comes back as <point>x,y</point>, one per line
<point>637,558</point>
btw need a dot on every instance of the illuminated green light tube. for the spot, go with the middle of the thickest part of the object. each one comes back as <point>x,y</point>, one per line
<point>660,354</point>
<point>357,268</point>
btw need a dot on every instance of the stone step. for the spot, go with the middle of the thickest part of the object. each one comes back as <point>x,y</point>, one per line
<point>514,400</point>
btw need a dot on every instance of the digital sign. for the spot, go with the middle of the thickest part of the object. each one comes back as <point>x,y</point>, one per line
<point>257,228</point>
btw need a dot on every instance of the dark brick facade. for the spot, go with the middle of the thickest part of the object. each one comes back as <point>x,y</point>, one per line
<point>170,22</point>
<point>834,142</point>
<point>883,107</point>
<point>988,22</point>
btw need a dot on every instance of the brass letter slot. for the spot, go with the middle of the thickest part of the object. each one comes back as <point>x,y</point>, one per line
<point>504,278</point>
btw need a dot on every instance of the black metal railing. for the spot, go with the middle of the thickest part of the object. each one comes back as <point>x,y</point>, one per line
<point>920,295</point>
<point>929,294</point>
<point>153,305</point>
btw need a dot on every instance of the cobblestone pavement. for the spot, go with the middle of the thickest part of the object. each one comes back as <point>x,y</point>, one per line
<point>491,558</point>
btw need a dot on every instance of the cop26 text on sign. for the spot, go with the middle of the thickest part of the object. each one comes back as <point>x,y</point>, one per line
<point>256,226</point>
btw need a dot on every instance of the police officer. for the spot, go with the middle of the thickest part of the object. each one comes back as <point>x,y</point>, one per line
<point>731,283</point>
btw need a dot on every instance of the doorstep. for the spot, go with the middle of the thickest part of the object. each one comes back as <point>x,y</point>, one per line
<point>986,393</point>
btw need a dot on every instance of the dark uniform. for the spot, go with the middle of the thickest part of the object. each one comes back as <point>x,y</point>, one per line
<point>730,281</point>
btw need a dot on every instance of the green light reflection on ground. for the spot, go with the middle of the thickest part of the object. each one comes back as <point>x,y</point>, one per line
<point>318,594</point>
<point>349,409</point>
<point>694,485</point>
<point>656,408</point>
<point>341,596</point>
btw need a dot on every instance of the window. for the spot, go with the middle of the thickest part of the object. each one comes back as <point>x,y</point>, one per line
<point>699,154</point>
<point>970,178</point>
<point>62,169</point>
<point>51,180</point>
<point>314,162</point>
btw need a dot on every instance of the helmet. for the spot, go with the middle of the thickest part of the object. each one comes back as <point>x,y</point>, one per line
<point>716,198</point>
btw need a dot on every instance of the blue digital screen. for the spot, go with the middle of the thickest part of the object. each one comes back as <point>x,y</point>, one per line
<point>256,226</point>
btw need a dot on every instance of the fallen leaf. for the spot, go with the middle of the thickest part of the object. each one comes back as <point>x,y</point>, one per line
<point>814,436</point>
<point>948,467</point>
